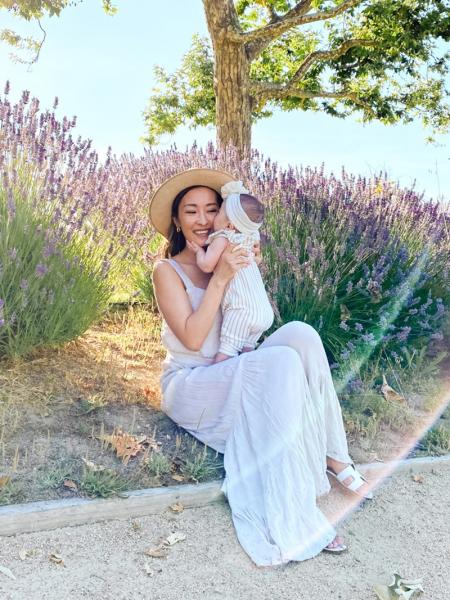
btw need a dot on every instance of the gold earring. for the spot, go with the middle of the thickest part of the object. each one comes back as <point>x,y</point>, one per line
<point>178,229</point>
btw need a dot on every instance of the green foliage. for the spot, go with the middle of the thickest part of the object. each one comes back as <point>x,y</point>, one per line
<point>11,493</point>
<point>437,440</point>
<point>158,464</point>
<point>52,291</point>
<point>53,477</point>
<point>103,484</point>
<point>321,268</point>
<point>37,9</point>
<point>201,464</point>
<point>184,98</point>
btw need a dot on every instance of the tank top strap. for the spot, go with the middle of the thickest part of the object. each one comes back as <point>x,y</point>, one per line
<point>184,278</point>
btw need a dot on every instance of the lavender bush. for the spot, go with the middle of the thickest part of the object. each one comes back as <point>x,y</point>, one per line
<point>363,261</point>
<point>57,259</point>
<point>50,291</point>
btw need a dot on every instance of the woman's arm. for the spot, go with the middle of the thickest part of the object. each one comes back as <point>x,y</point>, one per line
<point>208,259</point>
<point>192,327</point>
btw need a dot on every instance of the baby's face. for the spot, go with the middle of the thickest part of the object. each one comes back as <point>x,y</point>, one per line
<point>221,220</point>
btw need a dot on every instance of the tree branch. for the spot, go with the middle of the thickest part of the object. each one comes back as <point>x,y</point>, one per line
<point>255,47</point>
<point>314,57</point>
<point>296,16</point>
<point>275,91</point>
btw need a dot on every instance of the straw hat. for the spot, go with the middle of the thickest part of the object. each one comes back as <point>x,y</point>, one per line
<point>160,210</point>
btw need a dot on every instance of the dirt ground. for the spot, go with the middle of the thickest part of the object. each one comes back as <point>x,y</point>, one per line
<point>404,529</point>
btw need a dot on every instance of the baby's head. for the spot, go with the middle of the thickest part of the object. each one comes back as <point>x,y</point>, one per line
<point>233,217</point>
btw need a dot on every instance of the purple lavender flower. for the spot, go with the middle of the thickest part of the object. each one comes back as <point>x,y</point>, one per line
<point>368,337</point>
<point>358,327</point>
<point>41,270</point>
<point>402,336</point>
<point>48,250</point>
<point>437,336</point>
<point>343,325</point>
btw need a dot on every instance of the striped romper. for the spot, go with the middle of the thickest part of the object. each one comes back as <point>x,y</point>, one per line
<point>246,310</point>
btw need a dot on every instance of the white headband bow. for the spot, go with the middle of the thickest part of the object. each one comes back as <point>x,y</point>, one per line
<point>230,192</point>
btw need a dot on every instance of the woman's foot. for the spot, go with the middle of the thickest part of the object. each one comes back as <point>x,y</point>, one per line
<point>335,467</point>
<point>337,545</point>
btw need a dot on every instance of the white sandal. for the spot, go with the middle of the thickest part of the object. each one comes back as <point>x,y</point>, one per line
<point>355,484</point>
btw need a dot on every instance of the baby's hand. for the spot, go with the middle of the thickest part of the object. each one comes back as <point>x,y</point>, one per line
<point>193,246</point>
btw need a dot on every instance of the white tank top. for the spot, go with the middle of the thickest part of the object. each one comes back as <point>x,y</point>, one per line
<point>178,356</point>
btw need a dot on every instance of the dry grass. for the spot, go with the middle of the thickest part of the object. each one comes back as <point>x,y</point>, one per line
<point>118,359</point>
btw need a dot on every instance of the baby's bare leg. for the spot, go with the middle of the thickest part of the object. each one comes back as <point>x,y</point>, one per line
<point>219,357</point>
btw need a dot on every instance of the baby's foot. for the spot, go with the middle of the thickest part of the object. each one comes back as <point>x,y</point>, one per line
<point>246,349</point>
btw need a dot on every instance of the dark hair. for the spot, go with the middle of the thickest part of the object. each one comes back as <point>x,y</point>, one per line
<point>177,242</point>
<point>253,208</point>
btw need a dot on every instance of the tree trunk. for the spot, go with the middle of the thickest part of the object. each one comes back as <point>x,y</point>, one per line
<point>231,78</point>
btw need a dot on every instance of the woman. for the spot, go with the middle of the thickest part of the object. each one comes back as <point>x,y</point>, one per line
<point>273,412</point>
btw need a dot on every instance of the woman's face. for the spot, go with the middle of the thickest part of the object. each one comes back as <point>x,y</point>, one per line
<point>196,213</point>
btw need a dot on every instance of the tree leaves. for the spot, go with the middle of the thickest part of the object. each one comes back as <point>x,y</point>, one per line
<point>399,78</point>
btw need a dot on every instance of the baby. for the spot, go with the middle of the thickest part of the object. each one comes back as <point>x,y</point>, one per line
<point>246,309</point>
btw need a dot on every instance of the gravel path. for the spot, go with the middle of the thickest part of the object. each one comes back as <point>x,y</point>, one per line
<point>404,529</point>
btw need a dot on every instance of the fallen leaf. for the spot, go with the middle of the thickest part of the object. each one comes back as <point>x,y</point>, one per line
<point>92,466</point>
<point>23,554</point>
<point>345,313</point>
<point>177,507</point>
<point>390,394</point>
<point>418,478</point>
<point>399,589</point>
<point>173,538</point>
<point>4,480</point>
<point>68,483</point>
<point>7,572</point>
<point>158,552</point>
<point>178,477</point>
<point>125,444</point>
<point>56,558</point>
<point>150,393</point>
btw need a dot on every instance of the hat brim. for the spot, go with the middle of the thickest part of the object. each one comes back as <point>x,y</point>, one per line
<point>160,209</point>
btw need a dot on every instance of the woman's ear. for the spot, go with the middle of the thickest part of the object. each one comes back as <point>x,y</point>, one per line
<point>176,222</point>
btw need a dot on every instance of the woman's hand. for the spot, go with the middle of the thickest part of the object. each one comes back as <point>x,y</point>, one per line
<point>257,253</point>
<point>193,246</point>
<point>233,258</point>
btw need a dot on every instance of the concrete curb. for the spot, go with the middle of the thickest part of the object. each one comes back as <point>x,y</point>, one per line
<point>45,515</point>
